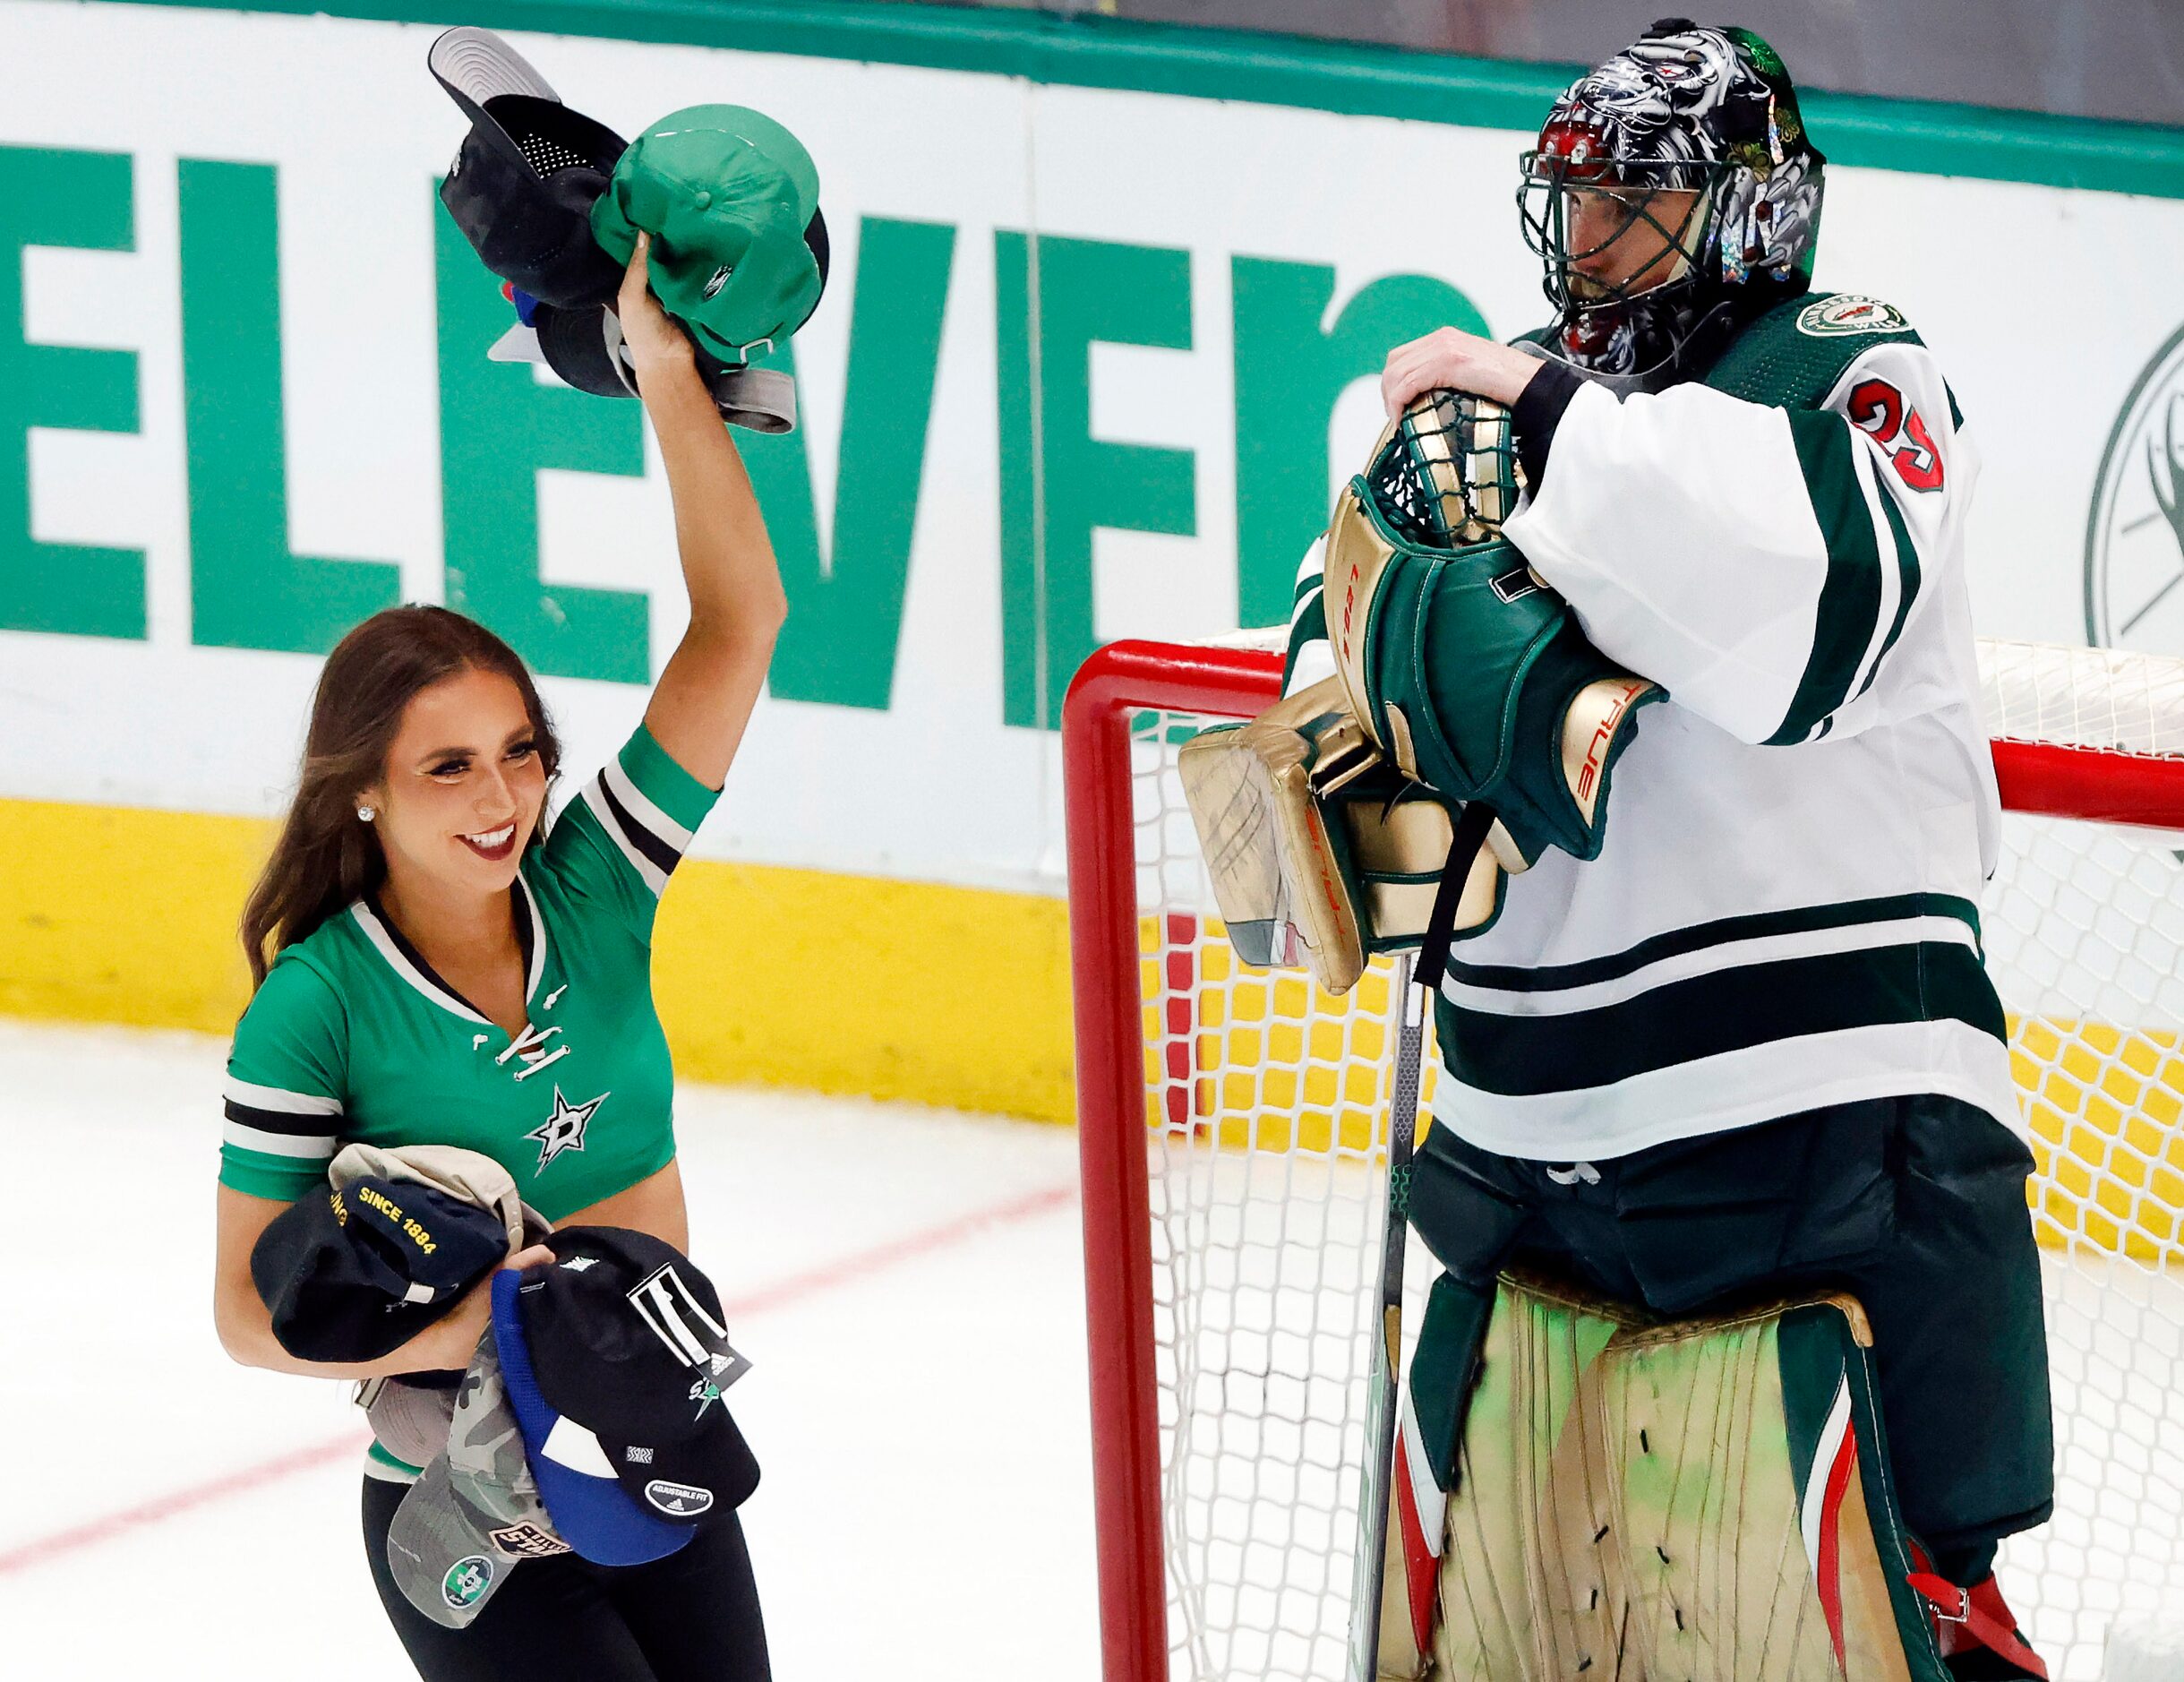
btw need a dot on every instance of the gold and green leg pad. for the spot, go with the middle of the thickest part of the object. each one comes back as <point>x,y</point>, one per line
<point>1702,1500</point>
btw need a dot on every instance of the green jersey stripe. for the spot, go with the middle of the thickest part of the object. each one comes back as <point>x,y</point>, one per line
<point>1849,607</point>
<point>381,1464</point>
<point>1722,931</point>
<point>1908,567</point>
<point>1857,937</point>
<point>1729,1011</point>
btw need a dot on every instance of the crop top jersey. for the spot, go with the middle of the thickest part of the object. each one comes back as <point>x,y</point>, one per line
<point>352,1037</point>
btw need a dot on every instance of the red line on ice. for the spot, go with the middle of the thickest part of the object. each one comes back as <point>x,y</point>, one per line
<point>779,1294</point>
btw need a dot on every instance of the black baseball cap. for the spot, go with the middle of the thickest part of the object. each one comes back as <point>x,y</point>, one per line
<point>522,185</point>
<point>353,1272</point>
<point>626,1339</point>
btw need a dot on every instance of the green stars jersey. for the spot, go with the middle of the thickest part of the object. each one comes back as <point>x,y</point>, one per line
<point>352,1037</point>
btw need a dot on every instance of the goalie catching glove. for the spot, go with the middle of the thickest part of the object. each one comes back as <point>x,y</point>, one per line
<point>1328,821</point>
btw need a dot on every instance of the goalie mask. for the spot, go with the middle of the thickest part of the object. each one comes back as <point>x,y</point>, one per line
<point>1674,190</point>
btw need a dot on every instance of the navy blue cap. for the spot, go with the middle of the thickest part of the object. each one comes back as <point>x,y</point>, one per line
<point>586,1502</point>
<point>355,1273</point>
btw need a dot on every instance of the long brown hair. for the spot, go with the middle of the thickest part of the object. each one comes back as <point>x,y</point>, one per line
<point>325,858</point>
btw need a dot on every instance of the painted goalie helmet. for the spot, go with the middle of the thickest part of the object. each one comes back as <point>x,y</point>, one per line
<point>1690,145</point>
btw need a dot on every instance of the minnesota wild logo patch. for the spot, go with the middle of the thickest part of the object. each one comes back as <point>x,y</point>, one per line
<point>1848,313</point>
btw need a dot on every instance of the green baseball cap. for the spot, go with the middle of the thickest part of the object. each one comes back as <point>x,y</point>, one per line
<point>732,201</point>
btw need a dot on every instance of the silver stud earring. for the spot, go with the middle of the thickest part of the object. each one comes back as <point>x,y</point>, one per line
<point>366,813</point>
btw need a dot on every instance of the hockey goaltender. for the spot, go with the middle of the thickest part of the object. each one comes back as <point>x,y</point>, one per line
<point>1723,1124</point>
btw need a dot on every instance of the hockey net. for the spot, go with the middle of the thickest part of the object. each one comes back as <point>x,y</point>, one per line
<point>1233,1133</point>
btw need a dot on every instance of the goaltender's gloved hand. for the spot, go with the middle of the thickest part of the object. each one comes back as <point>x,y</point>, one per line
<point>1465,670</point>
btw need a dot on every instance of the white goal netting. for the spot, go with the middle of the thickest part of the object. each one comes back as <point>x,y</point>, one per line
<point>1264,1107</point>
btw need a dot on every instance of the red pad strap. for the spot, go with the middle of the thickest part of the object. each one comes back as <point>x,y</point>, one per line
<point>1980,1614</point>
<point>1421,1570</point>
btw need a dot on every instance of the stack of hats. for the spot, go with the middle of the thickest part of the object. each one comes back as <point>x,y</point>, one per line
<point>593,1422</point>
<point>553,204</point>
<point>356,1271</point>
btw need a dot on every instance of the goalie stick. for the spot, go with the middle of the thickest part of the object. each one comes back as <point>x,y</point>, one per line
<point>1377,1650</point>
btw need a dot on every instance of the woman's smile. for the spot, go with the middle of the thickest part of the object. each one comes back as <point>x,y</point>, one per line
<point>493,844</point>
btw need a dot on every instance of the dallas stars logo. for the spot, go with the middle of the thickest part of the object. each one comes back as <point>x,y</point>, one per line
<point>563,1130</point>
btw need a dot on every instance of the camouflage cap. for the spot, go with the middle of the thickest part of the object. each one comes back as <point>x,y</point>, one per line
<point>474,1515</point>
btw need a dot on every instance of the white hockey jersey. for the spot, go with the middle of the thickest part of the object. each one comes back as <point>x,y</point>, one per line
<point>1785,914</point>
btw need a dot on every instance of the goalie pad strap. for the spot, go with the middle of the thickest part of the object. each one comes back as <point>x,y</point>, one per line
<point>1441,926</point>
<point>1954,1604</point>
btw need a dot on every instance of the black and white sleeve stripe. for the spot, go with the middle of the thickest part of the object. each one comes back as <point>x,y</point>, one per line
<point>278,1123</point>
<point>652,842</point>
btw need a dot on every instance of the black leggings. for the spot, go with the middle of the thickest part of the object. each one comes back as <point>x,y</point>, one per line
<point>690,1616</point>
<point>1916,1205</point>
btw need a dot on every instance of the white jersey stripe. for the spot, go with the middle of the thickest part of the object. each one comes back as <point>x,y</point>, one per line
<point>634,801</point>
<point>1734,1089</point>
<point>650,873</point>
<point>376,932</point>
<point>1767,948</point>
<point>1315,662</point>
<point>255,1097</point>
<point>538,939</point>
<point>306,1148</point>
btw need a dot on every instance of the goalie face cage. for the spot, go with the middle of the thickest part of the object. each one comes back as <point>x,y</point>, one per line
<point>1233,1138</point>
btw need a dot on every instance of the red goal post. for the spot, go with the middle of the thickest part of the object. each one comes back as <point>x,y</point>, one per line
<point>2087,736</point>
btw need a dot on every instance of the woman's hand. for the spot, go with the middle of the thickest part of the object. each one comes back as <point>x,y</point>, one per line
<point>449,1343</point>
<point>1464,361</point>
<point>655,343</point>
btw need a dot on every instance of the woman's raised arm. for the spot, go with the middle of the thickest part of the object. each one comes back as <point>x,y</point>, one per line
<point>706,693</point>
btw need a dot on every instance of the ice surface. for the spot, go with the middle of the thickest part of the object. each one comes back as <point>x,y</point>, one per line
<point>913,1284</point>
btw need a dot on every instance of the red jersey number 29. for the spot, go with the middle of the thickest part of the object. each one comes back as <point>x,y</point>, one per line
<point>1878,408</point>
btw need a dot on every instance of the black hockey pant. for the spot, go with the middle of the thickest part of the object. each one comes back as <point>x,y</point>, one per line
<point>1915,1206</point>
<point>692,1617</point>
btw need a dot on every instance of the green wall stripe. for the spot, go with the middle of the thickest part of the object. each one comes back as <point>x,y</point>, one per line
<point>1089,51</point>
